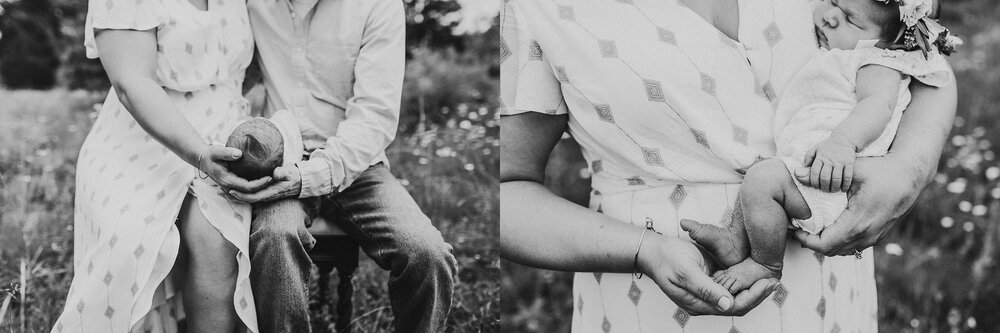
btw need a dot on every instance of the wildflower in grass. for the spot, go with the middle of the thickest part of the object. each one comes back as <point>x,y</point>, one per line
<point>995,193</point>
<point>947,222</point>
<point>992,173</point>
<point>957,186</point>
<point>941,178</point>
<point>965,206</point>
<point>979,210</point>
<point>968,226</point>
<point>894,249</point>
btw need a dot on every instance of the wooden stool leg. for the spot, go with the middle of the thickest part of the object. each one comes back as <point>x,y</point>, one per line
<point>345,296</point>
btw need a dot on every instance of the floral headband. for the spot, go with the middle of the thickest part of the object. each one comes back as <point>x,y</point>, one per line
<point>920,28</point>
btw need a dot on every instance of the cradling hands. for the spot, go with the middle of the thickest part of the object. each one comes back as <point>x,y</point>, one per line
<point>682,271</point>
<point>213,160</point>
<point>883,190</point>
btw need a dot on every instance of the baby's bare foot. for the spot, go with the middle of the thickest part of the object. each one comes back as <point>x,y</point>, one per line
<point>728,245</point>
<point>743,275</point>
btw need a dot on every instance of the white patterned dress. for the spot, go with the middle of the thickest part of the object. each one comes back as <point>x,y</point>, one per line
<point>669,113</point>
<point>129,187</point>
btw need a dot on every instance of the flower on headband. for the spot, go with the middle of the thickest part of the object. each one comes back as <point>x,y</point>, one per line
<point>911,11</point>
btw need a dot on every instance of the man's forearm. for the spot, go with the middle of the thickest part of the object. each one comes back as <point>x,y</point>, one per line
<point>924,130</point>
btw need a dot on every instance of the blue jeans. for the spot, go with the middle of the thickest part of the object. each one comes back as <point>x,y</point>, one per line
<point>380,214</point>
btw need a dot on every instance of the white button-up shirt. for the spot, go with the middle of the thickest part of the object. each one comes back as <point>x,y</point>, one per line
<point>338,66</point>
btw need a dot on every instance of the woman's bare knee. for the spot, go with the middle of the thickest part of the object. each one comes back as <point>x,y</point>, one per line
<point>209,253</point>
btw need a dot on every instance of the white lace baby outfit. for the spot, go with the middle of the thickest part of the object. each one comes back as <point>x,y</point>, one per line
<point>822,94</point>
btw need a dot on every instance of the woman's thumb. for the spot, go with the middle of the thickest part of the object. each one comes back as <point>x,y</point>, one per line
<point>711,292</point>
<point>228,154</point>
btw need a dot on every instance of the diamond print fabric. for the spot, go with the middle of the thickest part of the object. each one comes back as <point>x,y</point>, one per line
<point>667,111</point>
<point>130,187</point>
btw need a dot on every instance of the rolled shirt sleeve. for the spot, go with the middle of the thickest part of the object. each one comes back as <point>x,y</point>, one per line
<point>372,114</point>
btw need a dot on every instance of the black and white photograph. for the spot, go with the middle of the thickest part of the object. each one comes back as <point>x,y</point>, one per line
<point>249,166</point>
<point>749,166</point>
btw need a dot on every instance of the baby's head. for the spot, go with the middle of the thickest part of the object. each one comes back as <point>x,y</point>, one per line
<point>262,146</point>
<point>841,24</point>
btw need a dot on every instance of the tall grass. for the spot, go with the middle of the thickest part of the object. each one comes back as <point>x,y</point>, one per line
<point>449,169</point>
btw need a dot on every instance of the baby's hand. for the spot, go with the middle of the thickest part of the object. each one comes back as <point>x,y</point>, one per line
<point>831,164</point>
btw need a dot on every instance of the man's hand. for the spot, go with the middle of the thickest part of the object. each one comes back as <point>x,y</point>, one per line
<point>213,163</point>
<point>682,272</point>
<point>831,164</point>
<point>883,191</point>
<point>287,184</point>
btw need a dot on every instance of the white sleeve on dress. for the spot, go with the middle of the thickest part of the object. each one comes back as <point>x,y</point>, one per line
<point>120,15</point>
<point>527,82</point>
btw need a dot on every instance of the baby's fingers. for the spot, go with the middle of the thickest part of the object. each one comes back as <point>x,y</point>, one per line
<point>825,176</point>
<point>837,178</point>
<point>810,157</point>
<point>814,172</point>
<point>848,178</point>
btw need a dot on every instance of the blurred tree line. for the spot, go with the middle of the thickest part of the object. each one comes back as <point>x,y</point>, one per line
<point>41,47</point>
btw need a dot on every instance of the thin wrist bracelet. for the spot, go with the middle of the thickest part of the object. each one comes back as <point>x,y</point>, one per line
<point>642,236</point>
<point>201,173</point>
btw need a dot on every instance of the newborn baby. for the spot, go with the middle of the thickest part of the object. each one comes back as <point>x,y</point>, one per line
<point>262,145</point>
<point>266,145</point>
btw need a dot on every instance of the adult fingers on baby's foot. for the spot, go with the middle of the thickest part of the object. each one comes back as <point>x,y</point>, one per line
<point>848,178</point>
<point>748,299</point>
<point>706,289</point>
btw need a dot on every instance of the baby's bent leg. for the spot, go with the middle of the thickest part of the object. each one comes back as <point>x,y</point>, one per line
<point>767,216</point>
<point>769,198</point>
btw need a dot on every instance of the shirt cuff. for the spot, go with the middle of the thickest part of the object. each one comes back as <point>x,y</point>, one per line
<point>317,178</point>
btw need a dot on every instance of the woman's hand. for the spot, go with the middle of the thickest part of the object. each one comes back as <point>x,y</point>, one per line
<point>682,272</point>
<point>213,161</point>
<point>882,193</point>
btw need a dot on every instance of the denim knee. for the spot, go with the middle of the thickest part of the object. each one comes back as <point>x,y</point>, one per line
<point>431,258</point>
<point>280,226</point>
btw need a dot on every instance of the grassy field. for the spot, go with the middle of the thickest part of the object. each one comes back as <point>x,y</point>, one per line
<point>450,170</point>
<point>937,272</point>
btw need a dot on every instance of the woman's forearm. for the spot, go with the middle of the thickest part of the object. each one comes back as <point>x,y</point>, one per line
<point>129,58</point>
<point>156,114</point>
<point>540,229</point>
<point>924,130</point>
